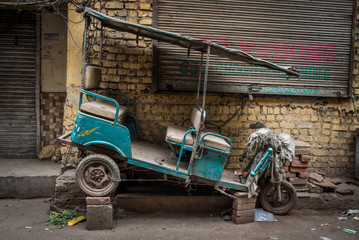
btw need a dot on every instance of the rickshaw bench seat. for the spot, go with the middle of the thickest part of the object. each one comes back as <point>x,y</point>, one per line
<point>215,142</point>
<point>176,133</point>
<point>104,109</point>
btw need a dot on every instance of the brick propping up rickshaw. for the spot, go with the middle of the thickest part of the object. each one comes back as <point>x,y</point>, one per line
<point>195,154</point>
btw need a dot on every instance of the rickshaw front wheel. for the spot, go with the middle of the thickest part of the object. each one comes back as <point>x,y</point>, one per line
<point>98,175</point>
<point>268,198</point>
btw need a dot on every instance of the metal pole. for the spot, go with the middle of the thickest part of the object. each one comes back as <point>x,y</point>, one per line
<point>84,52</point>
<point>205,83</point>
<point>100,57</point>
<point>199,78</point>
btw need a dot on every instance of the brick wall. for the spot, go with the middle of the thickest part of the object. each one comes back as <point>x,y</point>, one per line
<point>324,123</point>
<point>52,113</point>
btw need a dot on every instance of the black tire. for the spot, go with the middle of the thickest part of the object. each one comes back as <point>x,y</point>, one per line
<point>97,175</point>
<point>269,202</point>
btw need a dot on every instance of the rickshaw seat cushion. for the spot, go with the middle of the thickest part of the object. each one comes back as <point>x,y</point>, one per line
<point>105,109</point>
<point>92,78</point>
<point>215,142</point>
<point>196,117</point>
<point>176,133</point>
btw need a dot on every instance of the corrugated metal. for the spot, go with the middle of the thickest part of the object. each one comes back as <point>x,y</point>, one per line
<point>17,84</point>
<point>313,36</point>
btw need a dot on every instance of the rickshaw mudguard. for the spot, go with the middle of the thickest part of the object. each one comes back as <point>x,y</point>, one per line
<point>91,130</point>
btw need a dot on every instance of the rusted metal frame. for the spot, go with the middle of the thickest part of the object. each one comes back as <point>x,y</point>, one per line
<point>155,48</point>
<point>37,84</point>
<point>352,49</point>
<point>101,42</point>
<point>199,78</point>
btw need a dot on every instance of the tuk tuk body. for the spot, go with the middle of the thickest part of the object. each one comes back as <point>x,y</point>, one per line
<point>104,126</point>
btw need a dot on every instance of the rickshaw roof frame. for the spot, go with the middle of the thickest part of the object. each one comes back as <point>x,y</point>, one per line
<point>184,41</point>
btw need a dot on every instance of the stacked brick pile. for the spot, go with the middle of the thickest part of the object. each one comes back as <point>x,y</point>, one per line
<point>243,208</point>
<point>297,171</point>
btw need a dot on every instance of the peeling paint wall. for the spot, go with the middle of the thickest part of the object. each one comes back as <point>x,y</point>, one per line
<point>325,123</point>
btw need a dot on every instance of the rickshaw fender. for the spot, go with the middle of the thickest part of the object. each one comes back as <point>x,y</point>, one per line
<point>108,144</point>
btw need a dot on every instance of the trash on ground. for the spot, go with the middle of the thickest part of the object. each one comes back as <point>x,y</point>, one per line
<point>349,231</point>
<point>76,220</point>
<point>342,218</point>
<point>325,238</point>
<point>58,220</point>
<point>261,215</point>
<point>226,215</point>
<point>356,218</point>
<point>274,238</point>
<point>28,227</point>
<point>351,212</point>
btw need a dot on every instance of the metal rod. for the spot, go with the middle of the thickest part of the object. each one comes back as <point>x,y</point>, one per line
<point>100,57</point>
<point>205,83</point>
<point>199,78</point>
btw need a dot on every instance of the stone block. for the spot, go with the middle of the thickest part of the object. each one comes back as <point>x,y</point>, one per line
<point>242,220</point>
<point>98,200</point>
<point>301,144</point>
<point>244,206</point>
<point>243,213</point>
<point>99,217</point>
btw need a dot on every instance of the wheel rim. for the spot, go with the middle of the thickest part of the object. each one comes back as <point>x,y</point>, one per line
<point>272,199</point>
<point>97,177</point>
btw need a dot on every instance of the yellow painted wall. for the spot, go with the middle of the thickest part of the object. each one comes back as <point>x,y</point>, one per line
<point>74,65</point>
<point>53,52</point>
<point>325,123</point>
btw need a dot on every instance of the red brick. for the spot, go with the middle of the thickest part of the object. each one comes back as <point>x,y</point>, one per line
<point>298,169</point>
<point>241,220</point>
<point>302,151</point>
<point>305,158</point>
<point>301,187</point>
<point>303,175</point>
<point>299,164</point>
<point>244,206</point>
<point>300,144</point>
<point>290,175</point>
<point>298,181</point>
<point>286,169</point>
<point>296,158</point>
<point>244,213</point>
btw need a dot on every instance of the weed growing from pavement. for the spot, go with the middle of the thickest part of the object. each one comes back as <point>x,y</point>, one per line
<point>58,220</point>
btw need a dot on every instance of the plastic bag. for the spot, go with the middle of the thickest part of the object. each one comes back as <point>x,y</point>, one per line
<point>263,216</point>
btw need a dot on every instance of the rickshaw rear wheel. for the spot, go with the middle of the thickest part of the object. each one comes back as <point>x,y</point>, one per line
<point>98,175</point>
<point>269,200</point>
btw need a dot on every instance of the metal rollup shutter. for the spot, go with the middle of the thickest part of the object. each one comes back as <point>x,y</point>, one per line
<point>17,85</point>
<point>312,36</point>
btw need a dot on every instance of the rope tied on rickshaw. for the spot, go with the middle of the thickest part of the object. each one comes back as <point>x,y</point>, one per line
<point>283,151</point>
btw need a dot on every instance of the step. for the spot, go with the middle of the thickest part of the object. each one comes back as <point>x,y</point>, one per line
<point>28,178</point>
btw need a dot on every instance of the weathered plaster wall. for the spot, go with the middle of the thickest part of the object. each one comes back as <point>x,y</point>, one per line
<point>74,65</point>
<point>325,123</point>
<point>53,52</point>
<point>53,75</point>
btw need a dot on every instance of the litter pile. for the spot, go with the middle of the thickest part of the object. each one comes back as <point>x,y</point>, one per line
<point>318,183</point>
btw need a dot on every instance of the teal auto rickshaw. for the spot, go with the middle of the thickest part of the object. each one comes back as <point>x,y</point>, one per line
<point>195,154</point>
